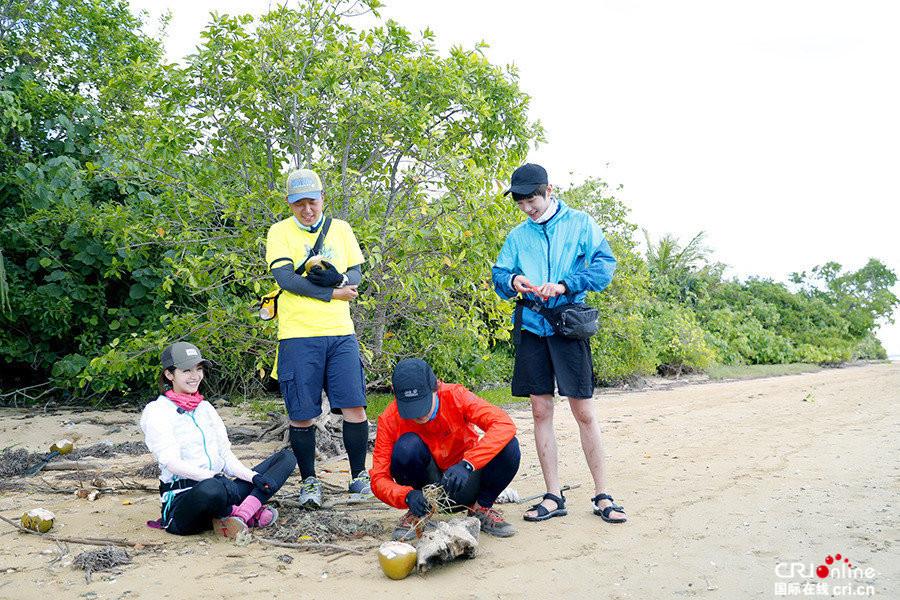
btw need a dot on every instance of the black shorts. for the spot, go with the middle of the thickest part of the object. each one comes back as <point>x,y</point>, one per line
<point>540,360</point>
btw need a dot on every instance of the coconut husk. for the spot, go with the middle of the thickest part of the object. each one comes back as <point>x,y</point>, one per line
<point>449,540</point>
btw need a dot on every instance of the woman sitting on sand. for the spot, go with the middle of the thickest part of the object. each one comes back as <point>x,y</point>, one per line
<point>196,464</point>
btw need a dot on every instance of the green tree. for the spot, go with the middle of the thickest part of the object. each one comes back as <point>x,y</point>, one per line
<point>863,296</point>
<point>180,174</point>
<point>56,65</point>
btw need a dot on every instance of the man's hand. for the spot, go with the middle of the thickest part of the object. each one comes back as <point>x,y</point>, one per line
<point>325,275</point>
<point>551,290</point>
<point>521,284</point>
<point>455,477</point>
<point>346,293</point>
<point>417,504</point>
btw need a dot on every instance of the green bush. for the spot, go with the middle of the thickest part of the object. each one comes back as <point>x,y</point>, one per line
<point>869,348</point>
<point>678,340</point>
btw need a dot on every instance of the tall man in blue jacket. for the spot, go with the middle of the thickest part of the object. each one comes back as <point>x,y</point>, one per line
<point>555,256</point>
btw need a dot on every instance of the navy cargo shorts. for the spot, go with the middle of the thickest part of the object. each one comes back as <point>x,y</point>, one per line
<point>306,366</point>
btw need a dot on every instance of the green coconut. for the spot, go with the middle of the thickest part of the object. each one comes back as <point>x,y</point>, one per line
<point>38,519</point>
<point>397,559</point>
<point>63,446</point>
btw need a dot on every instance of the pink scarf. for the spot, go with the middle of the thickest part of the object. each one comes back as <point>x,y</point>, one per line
<point>186,401</point>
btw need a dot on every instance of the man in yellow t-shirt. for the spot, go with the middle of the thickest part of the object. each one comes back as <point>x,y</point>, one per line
<point>317,346</point>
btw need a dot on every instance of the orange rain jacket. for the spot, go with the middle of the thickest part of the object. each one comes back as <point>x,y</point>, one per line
<point>450,437</point>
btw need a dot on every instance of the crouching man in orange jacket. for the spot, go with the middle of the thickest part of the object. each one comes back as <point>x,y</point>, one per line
<point>426,436</point>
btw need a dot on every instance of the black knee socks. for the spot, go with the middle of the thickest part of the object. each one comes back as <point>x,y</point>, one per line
<point>356,441</point>
<point>303,443</point>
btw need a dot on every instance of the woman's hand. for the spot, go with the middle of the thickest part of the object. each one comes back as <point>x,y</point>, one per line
<point>346,293</point>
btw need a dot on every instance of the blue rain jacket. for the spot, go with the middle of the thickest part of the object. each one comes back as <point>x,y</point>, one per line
<point>568,248</point>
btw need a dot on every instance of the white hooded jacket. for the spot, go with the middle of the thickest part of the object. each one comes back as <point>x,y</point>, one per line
<point>189,444</point>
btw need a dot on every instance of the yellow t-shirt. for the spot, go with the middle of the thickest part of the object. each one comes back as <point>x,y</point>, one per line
<point>301,316</point>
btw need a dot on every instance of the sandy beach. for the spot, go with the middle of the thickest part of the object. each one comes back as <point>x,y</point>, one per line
<point>726,485</point>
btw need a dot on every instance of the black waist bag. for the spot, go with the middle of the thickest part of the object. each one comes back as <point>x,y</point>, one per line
<point>577,321</point>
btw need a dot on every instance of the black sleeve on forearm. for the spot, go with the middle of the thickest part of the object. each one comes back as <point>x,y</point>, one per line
<point>292,282</point>
<point>354,275</point>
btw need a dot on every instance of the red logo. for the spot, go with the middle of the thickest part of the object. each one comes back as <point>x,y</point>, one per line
<point>823,570</point>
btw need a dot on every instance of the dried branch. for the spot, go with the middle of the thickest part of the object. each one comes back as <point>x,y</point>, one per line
<point>86,541</point>
<point>71,466</point>
<point>312,546</point>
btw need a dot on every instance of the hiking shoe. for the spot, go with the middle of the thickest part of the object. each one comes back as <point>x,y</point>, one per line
<point>310,493</point>
<point>492,521</point>
<point>405,529</point>
<point>361,485</point>
<point>229,527</point>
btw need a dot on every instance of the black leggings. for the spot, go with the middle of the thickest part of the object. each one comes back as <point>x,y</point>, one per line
<point>412,464</point>
<point>193,510</point>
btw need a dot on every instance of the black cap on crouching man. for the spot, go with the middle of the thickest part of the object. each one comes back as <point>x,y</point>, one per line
<point>526,178</point>
<point>413,382</point>
<point>182,355</point>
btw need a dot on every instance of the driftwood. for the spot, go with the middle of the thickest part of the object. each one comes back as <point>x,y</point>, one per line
<point>351,502</point>
<point>71,466</point>
<point>329,441</point>
<point>241,435</point>
<point>316,547</point>
<point>95,484</point>
<point>280,429</point>
<point>103,422</point>
<point>86,541</point>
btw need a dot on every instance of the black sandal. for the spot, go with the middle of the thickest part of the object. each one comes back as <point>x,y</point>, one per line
<point>604,512</point>
<point>543,514</point>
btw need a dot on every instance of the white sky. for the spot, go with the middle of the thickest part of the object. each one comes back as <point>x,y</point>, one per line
<point>772,125</point>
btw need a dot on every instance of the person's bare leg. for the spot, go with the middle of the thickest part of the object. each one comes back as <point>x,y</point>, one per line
<point>592,446</point>
<point>357,414</point>
<point>545,441</point>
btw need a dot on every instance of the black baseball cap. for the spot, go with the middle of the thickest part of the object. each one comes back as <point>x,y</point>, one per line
<point>413,382</point>
<point>526,178</point>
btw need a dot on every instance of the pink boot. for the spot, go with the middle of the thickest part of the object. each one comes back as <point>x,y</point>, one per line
<point>247,509</point>
<point>264,517</point>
